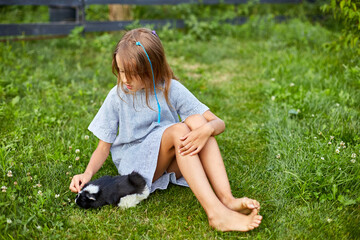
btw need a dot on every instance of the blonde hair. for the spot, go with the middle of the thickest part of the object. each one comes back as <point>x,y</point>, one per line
<point>136,64</point>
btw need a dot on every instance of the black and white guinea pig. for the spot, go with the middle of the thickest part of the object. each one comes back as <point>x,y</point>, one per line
<point>124,191</point>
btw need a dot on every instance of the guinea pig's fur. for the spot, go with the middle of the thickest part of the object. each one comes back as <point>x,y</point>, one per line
<point>124,191</point>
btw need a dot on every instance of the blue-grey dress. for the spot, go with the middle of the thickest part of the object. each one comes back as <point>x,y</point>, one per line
<point>131,126</point>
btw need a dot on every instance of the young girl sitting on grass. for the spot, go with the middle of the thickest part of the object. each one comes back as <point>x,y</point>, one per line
<point>139,123</point>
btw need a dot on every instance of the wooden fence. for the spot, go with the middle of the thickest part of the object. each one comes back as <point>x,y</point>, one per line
<point>59,10</point>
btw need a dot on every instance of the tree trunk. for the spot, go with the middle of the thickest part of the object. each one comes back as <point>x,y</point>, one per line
<point>119,12</point>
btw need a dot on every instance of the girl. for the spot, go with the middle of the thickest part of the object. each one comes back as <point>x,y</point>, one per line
<point>139,123</point>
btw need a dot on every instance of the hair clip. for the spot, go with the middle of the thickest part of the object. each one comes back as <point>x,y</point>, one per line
<point>153,32</point>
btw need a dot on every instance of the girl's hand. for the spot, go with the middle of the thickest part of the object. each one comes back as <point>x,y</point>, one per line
<point>194,141</point>
<point>78,181</point>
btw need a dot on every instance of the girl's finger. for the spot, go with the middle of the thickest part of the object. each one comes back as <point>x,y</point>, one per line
<point>77,186</point>
<point>184,137</point>
<point>188,151</point>
<point>186,146</point>
<point>197,150</point>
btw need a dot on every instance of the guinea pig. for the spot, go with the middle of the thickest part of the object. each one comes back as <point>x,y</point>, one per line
<point>124,191</point>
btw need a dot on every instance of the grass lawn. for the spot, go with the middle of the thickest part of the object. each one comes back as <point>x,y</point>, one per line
<point>292,139</point>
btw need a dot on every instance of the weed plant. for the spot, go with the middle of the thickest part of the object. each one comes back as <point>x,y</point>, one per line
<point>292,139</point>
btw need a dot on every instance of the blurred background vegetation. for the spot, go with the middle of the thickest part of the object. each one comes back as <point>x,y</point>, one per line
<point>206,20</point>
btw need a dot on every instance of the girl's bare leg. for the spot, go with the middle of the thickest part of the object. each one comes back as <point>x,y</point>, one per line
<point>219,216</point>
<point>213,164</point>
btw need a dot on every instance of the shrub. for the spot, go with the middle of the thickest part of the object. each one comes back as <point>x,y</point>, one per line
<point>347,12</point>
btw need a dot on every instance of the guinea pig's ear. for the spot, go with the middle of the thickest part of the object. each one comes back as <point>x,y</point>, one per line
<point>90,196</point>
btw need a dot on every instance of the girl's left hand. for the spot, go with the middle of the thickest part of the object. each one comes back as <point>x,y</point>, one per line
<point>194,141</point>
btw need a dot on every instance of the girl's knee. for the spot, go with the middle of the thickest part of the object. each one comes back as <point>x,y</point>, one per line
<point>178,130</point>
<point>195,121</point>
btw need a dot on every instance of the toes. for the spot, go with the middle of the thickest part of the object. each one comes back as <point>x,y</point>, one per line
<point>254,212</point>
<point>257,204</point>
<point>254,225</point>
<point>257,221</point>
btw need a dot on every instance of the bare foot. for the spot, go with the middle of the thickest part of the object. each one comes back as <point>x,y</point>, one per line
<point>230,220</point>
<point>243,205</point>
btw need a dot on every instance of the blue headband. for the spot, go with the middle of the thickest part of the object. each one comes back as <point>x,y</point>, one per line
<point>152,71</point>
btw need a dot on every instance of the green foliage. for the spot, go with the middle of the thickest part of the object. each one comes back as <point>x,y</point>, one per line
<point>348,13</point>
<point>24,14</point>
<point>76,37</point>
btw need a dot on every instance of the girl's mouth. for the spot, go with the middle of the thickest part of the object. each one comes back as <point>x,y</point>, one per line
<point>129,87</point>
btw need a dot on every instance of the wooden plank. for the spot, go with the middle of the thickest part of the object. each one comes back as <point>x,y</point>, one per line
<point>176,2</point>
<point>42,2</point>
<point>37,29</point>
<point>121,25</point>
<point>134,2</point>
<point>40,29</point>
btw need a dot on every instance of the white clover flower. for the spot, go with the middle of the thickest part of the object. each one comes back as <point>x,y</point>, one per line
<point>320,133</point>
<point>315,137</point>
<point>312,115</point>
<point>40,193</point>
<point>15,183</point>
<point>77,150</point>
<point>3,188</point>
<point>299,111</point>
<point>329,220</point>
<point>329,143</point>
<point>339,168</point>
<point>38,227</point>
<point>8,221</point>
<point>353,161</point>
<point>86,137</point>
<point>57,195</point>
<point>9,174</point>
<point>30,197</point>
<point>70,166</point>
<point>344,146</point>
<point>272,79</point>
<point>342,143</point>
<point>70,147</point>
<point>292,84</point>
<point>337,151</point>
<point>337,104</point>
<point>38,185</point>
<point>353,155</point>
<point>77,158</point>
<point>322,158</point>
<point>278,156</point>
<point>331,137</point>
<point>28,174</point>
<point>273,98</point>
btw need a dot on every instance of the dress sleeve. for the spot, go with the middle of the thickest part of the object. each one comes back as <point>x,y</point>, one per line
<point>184,102</point>
<point>105,124</point>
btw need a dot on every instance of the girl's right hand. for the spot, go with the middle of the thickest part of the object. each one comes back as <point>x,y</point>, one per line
<point>78,181</point>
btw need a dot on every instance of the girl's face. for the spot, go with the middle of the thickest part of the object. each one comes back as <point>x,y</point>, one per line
<point>133,85</point>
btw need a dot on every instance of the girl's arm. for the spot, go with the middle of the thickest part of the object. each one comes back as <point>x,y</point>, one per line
<point>215,124</point>
<point>194,141</point>
<point>96,161</point>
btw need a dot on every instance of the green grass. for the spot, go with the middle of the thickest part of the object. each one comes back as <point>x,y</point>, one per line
<point>255,77</point>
